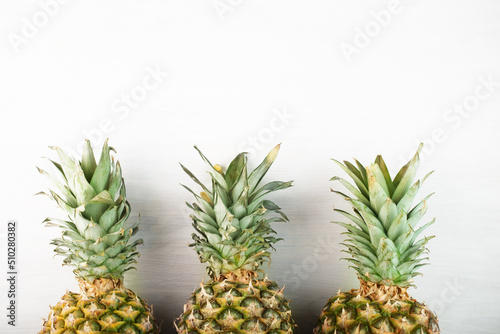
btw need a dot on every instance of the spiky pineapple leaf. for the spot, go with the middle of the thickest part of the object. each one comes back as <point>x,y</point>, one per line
<point>233,215</point>
<point>385,247</point>
<point>94,238</point>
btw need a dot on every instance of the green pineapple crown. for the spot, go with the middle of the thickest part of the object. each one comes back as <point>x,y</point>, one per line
<point>384,244</point>
<point>94,238</point>
<point>232,217</point>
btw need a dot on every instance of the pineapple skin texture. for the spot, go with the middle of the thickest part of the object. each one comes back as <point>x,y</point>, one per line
<point>116,311</point>
<point>233,307</point>
<point>350,313</point>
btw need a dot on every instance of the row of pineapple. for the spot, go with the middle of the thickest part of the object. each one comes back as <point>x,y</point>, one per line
<point>232,218</point>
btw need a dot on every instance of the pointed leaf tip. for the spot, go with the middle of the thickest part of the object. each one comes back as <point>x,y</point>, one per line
<point>273,153</point>
<point>420,147</point>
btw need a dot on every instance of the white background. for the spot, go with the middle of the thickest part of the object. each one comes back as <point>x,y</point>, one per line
<point>233,68</point>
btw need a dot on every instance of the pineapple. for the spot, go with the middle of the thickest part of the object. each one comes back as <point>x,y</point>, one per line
<point>95,242</point>
<point>233,237</point>
<point>385,251</point>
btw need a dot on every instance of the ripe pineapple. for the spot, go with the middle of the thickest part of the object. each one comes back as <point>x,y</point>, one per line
<point>95,241</point>
<point>233,236</point>
<point>385,252</point>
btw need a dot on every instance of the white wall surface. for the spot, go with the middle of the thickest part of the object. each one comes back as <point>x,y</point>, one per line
<point>227,70</point>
